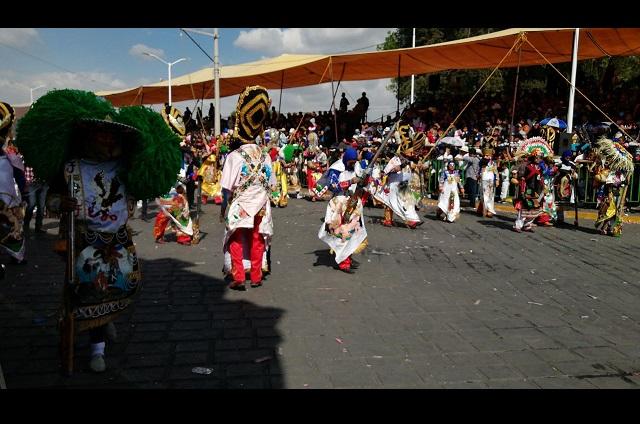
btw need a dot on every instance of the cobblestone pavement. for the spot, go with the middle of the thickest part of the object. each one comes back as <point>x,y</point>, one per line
<point>465,305</point>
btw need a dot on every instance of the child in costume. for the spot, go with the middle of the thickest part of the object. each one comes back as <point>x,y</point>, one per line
<point>98,162</point>
<point>450,187</point>
<point>174,209</point>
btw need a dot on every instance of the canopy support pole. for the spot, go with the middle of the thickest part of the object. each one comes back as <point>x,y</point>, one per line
<point>333,104</point>
<point>398,95</point>
<point>335,93</point>
<point>413,77</point>
<point>622,130</point>
<point>281,86</point>
<point>572,89</point>
<point>216,79</point>
<point>515,93</point>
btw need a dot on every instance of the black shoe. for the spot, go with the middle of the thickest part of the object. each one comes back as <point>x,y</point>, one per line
<point>17,262</point>
<point>355,264</point>
<point>238,285</point>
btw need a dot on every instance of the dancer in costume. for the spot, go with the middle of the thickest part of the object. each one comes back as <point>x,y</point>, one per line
<point>211,174</point>
<point>316,164</point>
<point>613,170</point>
<point>529,191</point>
<point>174,210</point>
<point>98,162</point>
<point>528,195</point>
<point>290,162</point>
<point>489,180</point>
<point>247,184</point>
<point>395,193</point>
<point>280,193</point>
<point>343,228</point>
<point>564,184</point>
<point>12,185</point>
<point>450,189</point>
<point>548,172</point>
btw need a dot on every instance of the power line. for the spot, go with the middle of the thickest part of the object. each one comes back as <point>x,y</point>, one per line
<point>46,61</point>
<point>196,43</point>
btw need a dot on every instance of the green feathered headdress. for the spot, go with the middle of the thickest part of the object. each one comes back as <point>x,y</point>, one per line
<point>48,137</point>
<point>153,163</point>
<point>615,155</point>
<point>45,134</point>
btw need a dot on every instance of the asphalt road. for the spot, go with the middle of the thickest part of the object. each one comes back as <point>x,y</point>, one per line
<point>465,305</point>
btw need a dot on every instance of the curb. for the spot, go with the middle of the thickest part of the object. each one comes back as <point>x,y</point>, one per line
<point>569,214</point>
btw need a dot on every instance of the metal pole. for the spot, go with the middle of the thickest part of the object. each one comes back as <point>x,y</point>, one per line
<point>572,89</point>
<point>216,71</point>
<point>335,118</point>
<point>280,101</point>
<point>413,77</point>
<point>398,107</point>
<point>515,95</point>
<point>169,65</point>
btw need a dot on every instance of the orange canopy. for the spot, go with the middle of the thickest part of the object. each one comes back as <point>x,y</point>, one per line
<point>484,51</point>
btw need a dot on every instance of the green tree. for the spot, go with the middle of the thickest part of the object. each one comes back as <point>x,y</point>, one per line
<point>595,77</point>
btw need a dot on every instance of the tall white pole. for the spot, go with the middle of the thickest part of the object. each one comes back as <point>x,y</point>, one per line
<point>169,65</point>
<point>33,89</point>
<point>216,74</point>
<point>572,89</point>
<point>413,77</point>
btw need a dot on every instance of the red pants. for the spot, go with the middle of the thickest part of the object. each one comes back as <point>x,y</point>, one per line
<point>160,225</point>
<point>256,247</point>
<point>311,182</point>
<point>543,218</point>
<point>346,264</point>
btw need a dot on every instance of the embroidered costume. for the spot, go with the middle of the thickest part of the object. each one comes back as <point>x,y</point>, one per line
<point>343,228</point>
<point>12,185</point>
<point>247,182</point>
<point>98,162</point>
<point>450,188</point>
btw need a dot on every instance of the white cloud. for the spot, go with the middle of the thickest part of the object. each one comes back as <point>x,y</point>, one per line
<point>277,41</point>
<point>18,37</point>
<point>15,88</point>
<point>138,50</point>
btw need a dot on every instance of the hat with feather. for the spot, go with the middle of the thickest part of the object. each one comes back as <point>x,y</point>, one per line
<point>64,124</point>
<point>7,116</point>
<point>251,111</point>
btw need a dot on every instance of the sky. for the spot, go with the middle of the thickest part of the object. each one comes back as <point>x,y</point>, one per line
<point>98,59</point>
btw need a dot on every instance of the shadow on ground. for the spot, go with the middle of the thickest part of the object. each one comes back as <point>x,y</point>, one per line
<point>324,258</point>
<point>181,320</point>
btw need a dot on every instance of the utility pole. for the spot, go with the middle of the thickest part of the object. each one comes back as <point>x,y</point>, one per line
<point>572,89</point>
<point>216,71</point>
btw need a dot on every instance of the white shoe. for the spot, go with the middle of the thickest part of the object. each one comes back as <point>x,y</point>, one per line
<point>97,364</point>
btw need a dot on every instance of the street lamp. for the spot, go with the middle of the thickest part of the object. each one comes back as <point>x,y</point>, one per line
<point>216,74</point>
<point>169,65</point>
<point>32,90</point>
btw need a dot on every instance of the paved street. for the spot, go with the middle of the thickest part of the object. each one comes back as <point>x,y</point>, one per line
<point>464,305</point>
